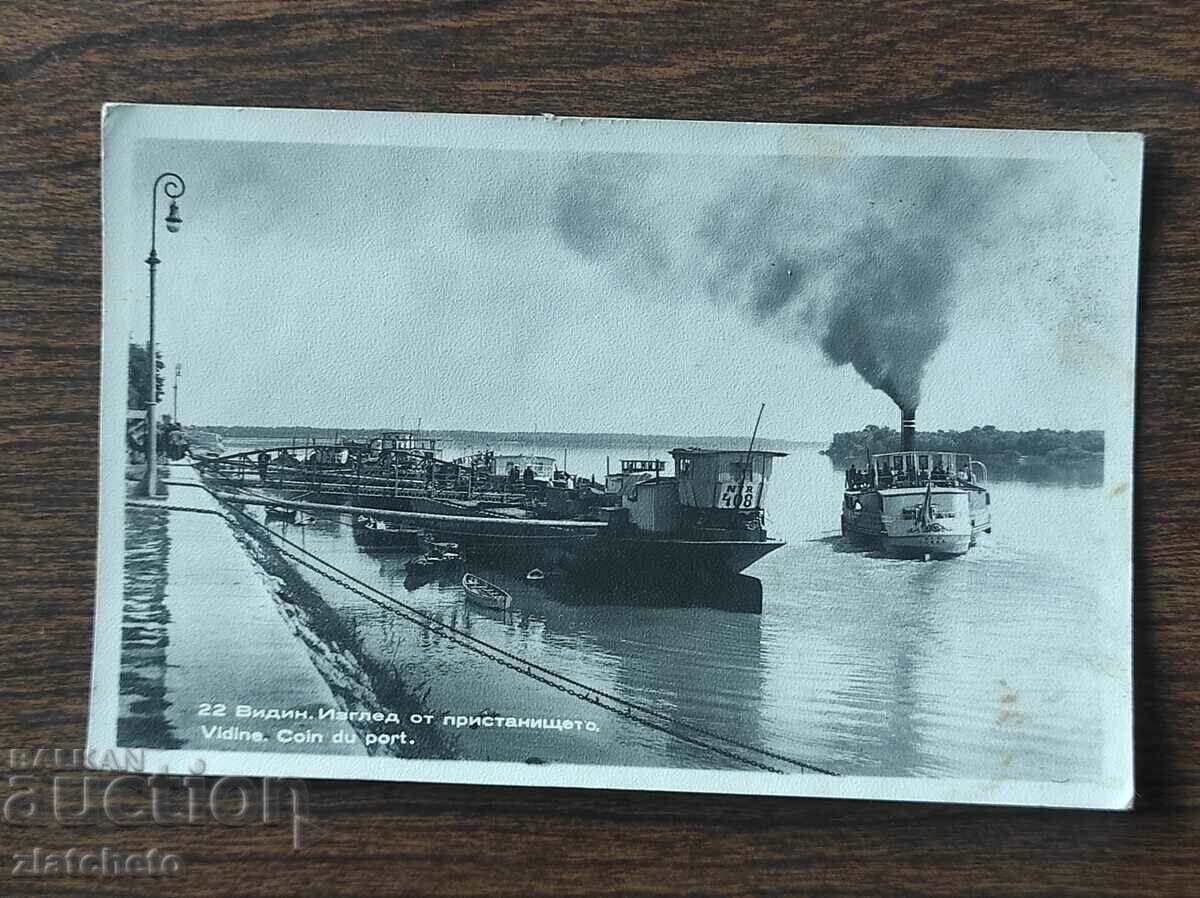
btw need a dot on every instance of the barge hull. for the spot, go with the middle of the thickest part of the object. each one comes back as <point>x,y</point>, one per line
<point>607,555</point>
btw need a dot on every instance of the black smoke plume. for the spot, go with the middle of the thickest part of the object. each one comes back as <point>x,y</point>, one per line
<point>872,282</point>
<point>860,256</point>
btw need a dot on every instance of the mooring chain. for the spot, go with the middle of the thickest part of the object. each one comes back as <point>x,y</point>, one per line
<point>452,635</point>
<point>623,707</point>
<point>160,506</point>
<point>524,663</point>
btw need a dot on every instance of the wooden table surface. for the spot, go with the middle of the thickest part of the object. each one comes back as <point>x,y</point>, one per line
<point>1073,65</point>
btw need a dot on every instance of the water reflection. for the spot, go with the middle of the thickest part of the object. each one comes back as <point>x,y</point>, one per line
<point>892,653</point>
<point>975,666</point>
<point>144,619</point>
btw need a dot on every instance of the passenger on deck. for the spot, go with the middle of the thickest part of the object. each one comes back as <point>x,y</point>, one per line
<point>264,463</point>
<point>529,476</point>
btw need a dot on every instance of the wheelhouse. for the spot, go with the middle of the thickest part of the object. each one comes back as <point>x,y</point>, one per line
<point>724,479</point>
<point>402,441</point>
<point>633,470</point>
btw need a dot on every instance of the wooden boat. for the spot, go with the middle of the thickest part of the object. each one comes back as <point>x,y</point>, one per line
<point>429,545</point>
<point>429,567</point>
<point>485,594</point>
<point>536,574</point>
<point>441,560</point>
<point>278,513</point>
<point>373,533</point>
<point>422,564</point>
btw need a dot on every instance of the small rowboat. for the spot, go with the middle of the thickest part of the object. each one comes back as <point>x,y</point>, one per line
<point>536,574</point>
<point>484,594</point>
<point>278,513</point>
<point>372,533</point>
<point>421,564</point>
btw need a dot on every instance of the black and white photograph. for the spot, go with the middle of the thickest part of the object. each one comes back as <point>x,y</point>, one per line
<point>689,456</point>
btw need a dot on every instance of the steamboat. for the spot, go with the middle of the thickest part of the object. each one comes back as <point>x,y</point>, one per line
<point>917,503</point>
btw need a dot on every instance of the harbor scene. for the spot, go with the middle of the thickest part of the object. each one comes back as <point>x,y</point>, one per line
<point>857,661</point>
<point>618,462</point>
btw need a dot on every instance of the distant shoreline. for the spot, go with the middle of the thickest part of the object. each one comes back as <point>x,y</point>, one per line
<point>1041,454</point>
<point>530,439</point>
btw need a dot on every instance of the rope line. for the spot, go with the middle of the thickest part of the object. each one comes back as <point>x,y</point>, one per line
<point>523,665</point>
<point>623,707</point>
<point>455,636</point>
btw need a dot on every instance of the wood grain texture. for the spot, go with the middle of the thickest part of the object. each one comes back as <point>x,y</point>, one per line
<point>1071,65</point>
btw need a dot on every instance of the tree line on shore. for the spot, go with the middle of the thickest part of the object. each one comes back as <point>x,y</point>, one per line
<point>989,444</point>
<point>137,385</point>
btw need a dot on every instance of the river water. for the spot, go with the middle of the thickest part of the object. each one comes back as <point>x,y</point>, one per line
<point>988,665</point>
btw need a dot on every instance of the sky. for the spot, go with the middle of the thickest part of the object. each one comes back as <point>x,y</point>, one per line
<point>350,286</point>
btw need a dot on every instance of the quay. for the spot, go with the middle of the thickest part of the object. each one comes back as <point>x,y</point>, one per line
<point>228,640</point>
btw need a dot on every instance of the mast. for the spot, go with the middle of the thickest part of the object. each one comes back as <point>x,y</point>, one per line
<point>749,449</point>
<point>754,435</point>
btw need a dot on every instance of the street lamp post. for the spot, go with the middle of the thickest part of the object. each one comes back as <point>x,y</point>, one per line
<point>173,186</point>
<point>175,410</point>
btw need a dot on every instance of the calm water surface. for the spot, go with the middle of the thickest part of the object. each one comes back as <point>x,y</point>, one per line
<point>987,665</point>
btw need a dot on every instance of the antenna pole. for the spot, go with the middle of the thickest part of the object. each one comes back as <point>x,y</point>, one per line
<point>753,437</point>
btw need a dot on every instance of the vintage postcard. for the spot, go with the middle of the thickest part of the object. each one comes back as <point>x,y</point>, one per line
<point>692,456</point>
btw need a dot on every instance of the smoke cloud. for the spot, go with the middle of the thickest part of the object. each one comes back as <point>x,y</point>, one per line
<point>860,257</point>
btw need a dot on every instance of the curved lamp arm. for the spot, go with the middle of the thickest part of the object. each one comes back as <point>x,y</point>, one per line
<point>173,187</point>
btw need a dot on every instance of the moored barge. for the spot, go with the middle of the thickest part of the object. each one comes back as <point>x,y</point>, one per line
<point>703,522</point>
<point>683,535</point>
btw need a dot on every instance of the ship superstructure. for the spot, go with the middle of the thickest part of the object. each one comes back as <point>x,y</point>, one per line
<point>917,502</point>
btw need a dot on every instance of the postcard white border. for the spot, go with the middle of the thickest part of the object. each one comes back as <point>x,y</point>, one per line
<point>124,125</point>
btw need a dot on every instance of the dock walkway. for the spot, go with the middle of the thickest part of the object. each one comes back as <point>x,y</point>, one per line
<point>228,641</point>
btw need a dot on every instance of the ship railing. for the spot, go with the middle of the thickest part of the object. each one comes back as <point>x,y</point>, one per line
<point>922,480</point>
<point>338,478</point>
<point>380,490</point>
